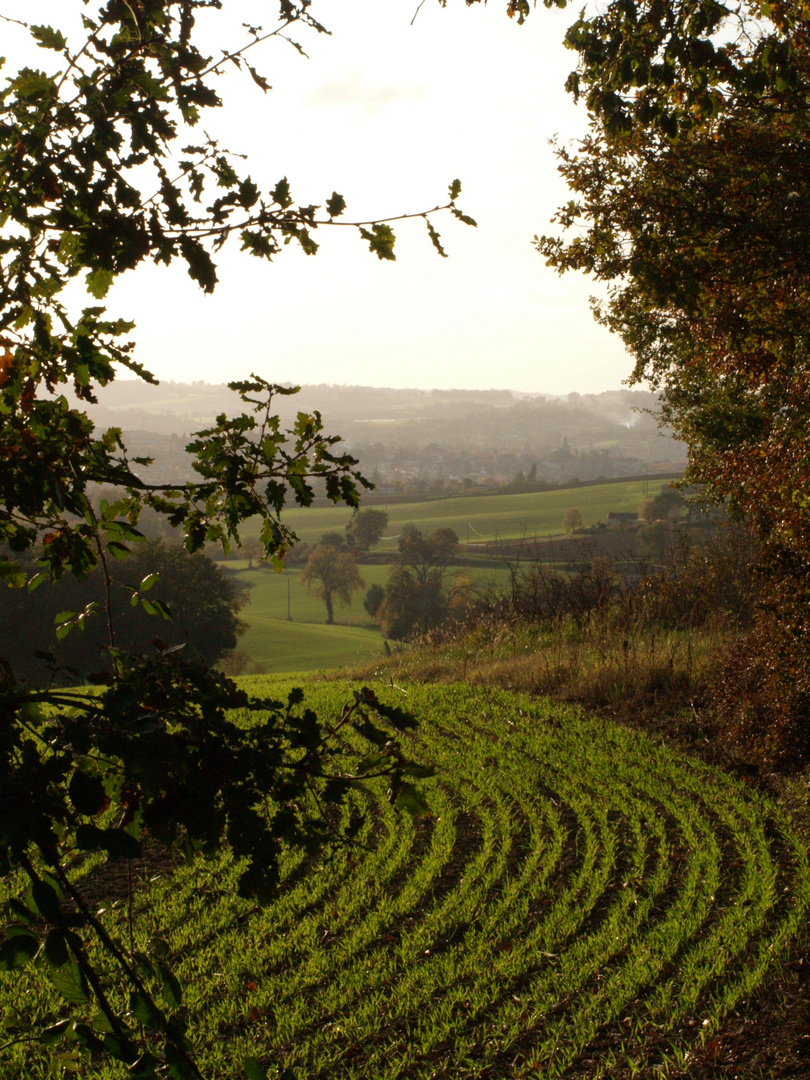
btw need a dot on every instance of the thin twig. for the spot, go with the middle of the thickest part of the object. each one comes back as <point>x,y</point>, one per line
<point>314,795</point>
<point>276,222</point>
<point>108,601</point>
<point>20,1038</point>
<point>348,712</point>
<point>72,63</point>
<point>419,8</point>
<point>134,19</point>
<point>80,701</point>
<point>89,972</point>
<point>226,56</point>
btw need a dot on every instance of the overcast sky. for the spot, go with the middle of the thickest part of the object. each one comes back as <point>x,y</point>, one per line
<point>387,114</point>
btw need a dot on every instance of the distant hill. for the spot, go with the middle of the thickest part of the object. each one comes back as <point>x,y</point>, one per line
<point>432,438</point>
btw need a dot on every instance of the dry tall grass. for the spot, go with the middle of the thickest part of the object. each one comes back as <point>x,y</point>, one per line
<point>642,647</point>
<point>638,673</point>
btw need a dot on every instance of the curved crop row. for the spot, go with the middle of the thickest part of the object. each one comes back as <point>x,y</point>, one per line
<point>576,887</point>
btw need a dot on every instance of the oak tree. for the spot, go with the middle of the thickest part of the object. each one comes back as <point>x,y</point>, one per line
<point>366,527</point>
<point>418,595</point>
<point>331,573</point>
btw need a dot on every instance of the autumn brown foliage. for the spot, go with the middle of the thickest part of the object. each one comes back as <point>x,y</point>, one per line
<point>691,198</point>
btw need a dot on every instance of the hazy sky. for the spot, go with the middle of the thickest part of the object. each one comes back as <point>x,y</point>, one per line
<point>387,114</point>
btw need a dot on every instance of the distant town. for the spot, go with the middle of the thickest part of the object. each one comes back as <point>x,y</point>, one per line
<point>414,443</point>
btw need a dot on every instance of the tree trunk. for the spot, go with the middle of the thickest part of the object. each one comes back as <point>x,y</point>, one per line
<point>329,610</point>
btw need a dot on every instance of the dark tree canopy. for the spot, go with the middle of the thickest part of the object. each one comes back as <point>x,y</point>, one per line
<point>427,556</point>
<point>366,527</point>
<point>374,599</point>
<point>572,520</point>
<point>202,600</point>
<point>668,503</point>
<point>417,597</point>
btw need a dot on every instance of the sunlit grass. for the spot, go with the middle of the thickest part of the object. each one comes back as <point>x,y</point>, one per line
<point>480,518</point>
<point>304,642</point>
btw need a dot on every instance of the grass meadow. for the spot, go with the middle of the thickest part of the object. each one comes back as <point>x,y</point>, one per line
<point>580,902</point>
<point>272,643</point>
<point>488,517</point>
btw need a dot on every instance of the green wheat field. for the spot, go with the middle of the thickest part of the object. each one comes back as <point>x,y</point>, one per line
<point>580,902</point>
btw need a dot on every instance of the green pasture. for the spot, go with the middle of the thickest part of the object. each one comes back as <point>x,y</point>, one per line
<point>580,902</point>
<point>273,643</point>
<point>269,590</point>
<point>481,518</point>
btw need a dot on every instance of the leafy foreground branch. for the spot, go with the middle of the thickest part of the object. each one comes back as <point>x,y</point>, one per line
<point>178,754</point>
<point>100,172</point>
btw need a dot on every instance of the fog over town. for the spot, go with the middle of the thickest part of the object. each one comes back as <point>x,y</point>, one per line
<point>424,442</point>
